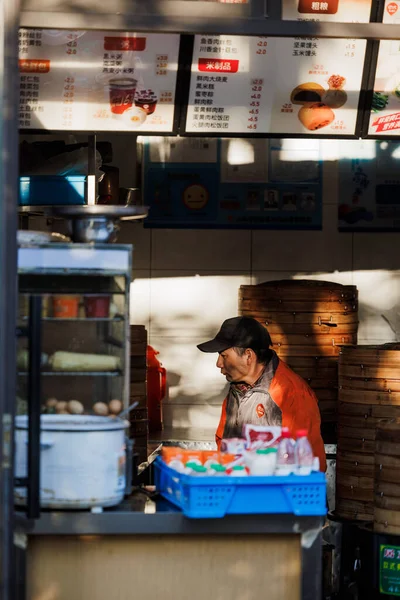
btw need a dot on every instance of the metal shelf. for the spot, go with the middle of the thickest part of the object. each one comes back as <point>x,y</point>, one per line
<point>75,373</point>
<point>87,285</point>
<point>118,319</point>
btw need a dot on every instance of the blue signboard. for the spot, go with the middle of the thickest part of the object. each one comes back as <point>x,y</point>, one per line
<point>247,184</point>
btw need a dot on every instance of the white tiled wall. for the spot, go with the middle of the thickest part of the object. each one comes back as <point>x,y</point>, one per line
<point>186,284</point>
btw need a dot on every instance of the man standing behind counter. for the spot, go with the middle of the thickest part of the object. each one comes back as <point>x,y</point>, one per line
<point>263,389</point>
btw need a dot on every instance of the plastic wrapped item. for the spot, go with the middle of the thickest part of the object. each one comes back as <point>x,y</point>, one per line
<point>261,436</point>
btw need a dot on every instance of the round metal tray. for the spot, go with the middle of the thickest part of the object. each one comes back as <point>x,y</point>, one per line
<point>122,213</point>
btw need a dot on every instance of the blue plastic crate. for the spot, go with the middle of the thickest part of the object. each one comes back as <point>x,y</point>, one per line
<point>215,497</point>
<point>41,190</point>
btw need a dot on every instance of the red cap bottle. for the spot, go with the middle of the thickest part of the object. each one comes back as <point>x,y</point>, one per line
<point>301,433</point>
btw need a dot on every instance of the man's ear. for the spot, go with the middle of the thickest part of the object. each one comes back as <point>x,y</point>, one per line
<point>250,354</point>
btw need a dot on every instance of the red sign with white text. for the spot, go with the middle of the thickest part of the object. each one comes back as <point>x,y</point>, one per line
<point>217,65</point>
<point>387,122</point>
<point>34,66</point>
<point>127,44</point>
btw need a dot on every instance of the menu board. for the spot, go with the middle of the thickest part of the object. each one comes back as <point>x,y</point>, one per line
<point>315,91</point>
<point>316,82</point>
<point>237,183</point>
<point>385,109</point>
<point>97,80</point>
<point>369,185</point>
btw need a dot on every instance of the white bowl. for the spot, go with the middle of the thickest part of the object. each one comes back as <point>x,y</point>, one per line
<point>133,117</point>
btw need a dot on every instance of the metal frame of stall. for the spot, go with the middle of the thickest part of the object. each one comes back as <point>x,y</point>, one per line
<point>259,17</point>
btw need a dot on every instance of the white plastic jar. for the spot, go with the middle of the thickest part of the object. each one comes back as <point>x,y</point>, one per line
<point>264,462</point>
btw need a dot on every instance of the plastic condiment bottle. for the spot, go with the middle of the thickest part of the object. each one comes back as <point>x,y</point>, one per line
<point>238,471</point>
<point>190,466</point>
<point>217,470</point>
<point>304,453</point>
<point>264,462</point>
<point>199,471</point>
<point>177,465</point>
<point>285,457</point>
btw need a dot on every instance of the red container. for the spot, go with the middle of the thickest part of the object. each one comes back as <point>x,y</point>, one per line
<point>65,307</point>
<point>156,388</point>
<point>97,307</point>
<point>122,94</point>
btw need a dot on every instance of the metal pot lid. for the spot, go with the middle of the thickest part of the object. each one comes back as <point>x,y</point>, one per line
<point>123,213</point>
<point>74,423</point>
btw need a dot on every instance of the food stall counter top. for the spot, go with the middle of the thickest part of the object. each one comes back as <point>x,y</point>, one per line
<point>141,515</point>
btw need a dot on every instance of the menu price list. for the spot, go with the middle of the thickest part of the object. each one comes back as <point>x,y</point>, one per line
<point>97,80</point>
<point>238,86</point>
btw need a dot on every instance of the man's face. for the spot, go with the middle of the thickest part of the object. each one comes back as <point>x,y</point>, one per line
<point>234,367</point>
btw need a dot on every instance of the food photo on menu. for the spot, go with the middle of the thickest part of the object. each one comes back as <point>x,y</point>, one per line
<point>318,103</point>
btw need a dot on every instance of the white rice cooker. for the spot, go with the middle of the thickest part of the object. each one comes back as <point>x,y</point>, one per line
<point>82,460</point>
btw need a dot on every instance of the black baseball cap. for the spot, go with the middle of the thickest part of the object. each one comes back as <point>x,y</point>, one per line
<point>239,332</point>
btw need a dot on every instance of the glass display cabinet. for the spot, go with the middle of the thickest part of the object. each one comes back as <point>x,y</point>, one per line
<point>73,337</point>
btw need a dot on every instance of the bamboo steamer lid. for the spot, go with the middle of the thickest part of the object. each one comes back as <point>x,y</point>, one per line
<point>355,463</point>
<point>285,350</point>
<point>387,468</point>
<point>327,394</point>
<point>354,510</point>
<point>318,372</point>
<point>300,288</point>
<point>372,385</point>
<point>348,468</point>
<point>321,328</point>
<point>384,353</point>
<point>389,503</point>
<point>356,444</point>
<point>356,488</point>
<point>388,488</point>
<point>355,457</point>
<point>323,339</point>
<point>387,521</point>
<point>314,318</point>
<point>297,305</point>
<point>358,433</point>
<point>372,398</point>
<point>312,362</point>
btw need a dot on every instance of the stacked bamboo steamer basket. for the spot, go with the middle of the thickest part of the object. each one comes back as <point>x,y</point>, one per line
<point>369,391</point>
<point>308,322</point>
<point>138,418</point>
<point>387,478</point>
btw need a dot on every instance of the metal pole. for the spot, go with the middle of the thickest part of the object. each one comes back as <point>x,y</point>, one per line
<point>9,94</point>
<point>91,178</point>
<point>34,396</point>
